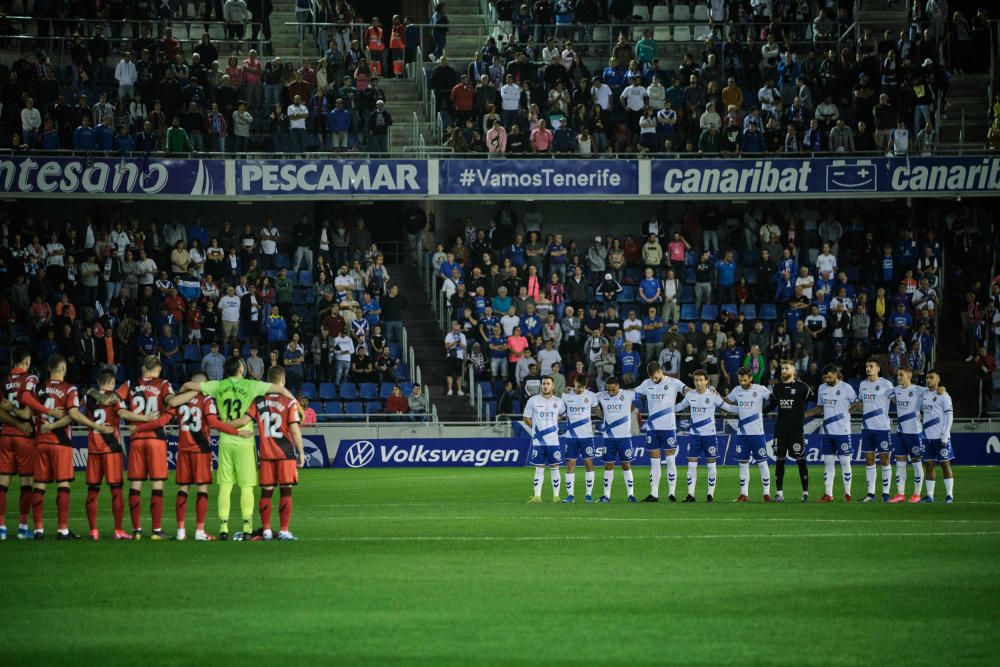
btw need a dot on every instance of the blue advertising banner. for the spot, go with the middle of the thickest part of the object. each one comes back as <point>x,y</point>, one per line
<point>331,177</point>
<point>553,178</point>
<point>432,452</point>
<point>111,176</point>
<point>314,446</point>
<point>825,176</point>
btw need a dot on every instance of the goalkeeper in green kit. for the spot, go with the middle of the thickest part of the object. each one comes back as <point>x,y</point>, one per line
<point>237,457</point>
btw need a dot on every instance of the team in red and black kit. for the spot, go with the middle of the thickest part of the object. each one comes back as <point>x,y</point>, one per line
<point>790,397</point>
<point>17,437</point>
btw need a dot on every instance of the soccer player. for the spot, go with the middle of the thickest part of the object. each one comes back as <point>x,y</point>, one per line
<point>834,402</point>
<point>875,394</point>
<point>196,418</point>
<point>616,408</point>
<point>281,451</point>
<point>237,459</point>
<point>702,403</point>
<point>938,416</point>
<point>579,438</point>
<point>541,415</point>
<point>661,428</point>
<point>17,446</point>
<point>790,396</point>
<point>909,435</point>
<point>54,463</point>
<point>105,456</point>
<point>147,456</point>
<point>749,399</point>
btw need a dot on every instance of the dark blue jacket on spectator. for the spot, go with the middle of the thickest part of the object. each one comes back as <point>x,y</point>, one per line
<point>339,121</point>
<point>104,137</point>
<point>83,139</point>
<point>277,329</point>
<point>50,140</point>
<point>124,143</point>
<point>725,273</point>
<point>145,143</point>
<point>732,359</point>
<point>753,142</point>
<point>629,362</point>
<point>531,325</point>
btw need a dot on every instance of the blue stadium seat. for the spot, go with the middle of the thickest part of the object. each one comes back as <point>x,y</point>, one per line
<point>855,384</point>
<point>627,294</point>
<point>853,274</point>
<point>348,390</point>
<point>294,277</point>
<point>328,391</point>
<point>396,350</point>
<point>687,294</point>
<point>486,387</point>
<point>406,388</point>
<point>281,261</point>
<point>353,408</point>
<point>333,408</point>
<point>768,312</point>
<point>689,312</point>
<point>729,309</point>
<point>309,391</point>
<point>632,277</point>
<point>402,370</point>
<point>305,278</point>
<point>689,275</point>
<point>192,353</point>
<point>690,258</point>
<point>751,275</point>
<point>385,390</point>
<point>749,311</point>
<point>369,392</point>
<point>709,311</point>
<point>373,407</point>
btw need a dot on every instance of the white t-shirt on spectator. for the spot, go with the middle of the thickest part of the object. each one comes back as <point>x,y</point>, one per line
<point>634,337</point>
<point>545,360</point>
<point>270,247</point>
<point>510,97</point>
<point>601,95</point>
<point>229,308</point>
<point>508,322</point>
<point>826,262</point>
<point>343,348</point>
<point>297,123</point>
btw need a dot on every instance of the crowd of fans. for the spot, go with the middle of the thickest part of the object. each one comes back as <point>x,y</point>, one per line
<point>710,287</point>
<point>313,298</point>
<point>766,78</point>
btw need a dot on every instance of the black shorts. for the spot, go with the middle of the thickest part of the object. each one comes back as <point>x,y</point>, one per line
<point>456,366</point>
<point>789,445</point>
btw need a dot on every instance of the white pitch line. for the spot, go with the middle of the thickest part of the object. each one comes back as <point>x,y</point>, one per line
<point>602,538</point>
<point>412,518</point>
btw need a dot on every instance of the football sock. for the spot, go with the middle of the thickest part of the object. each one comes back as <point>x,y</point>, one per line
<point>886,478</point>
<point>156,508</point>
<point>265,508</point>
<point>654,477</point>
<point>92,493</point>
<point>247,506</point>
<point>692,477</point>
<point>828,470</point>
<point>135,507</point>
<point>929,486</point>
<point>629,482</point>
<point>671,474</point>
<point>609,477</point>
<point>200,510</point>
<point>949,486</point>
<point>117,507</point>
<point>744,479</point>
<point>556,481</point>
<point>180,507</point>
<point>38,507</point>
<point>538,481</point>
<point>711,478</point>
<point>570,483</point>
<point>589,477</point>
<point>803,475</point>
<point>3,505</point>
<point>870,475</point>
<point>845,473</point>
<point>765,477</point>
<point>62,508</point>
<point>901,477</point>
<point>225,498</point>
<point>24,504</point>
<point>918,477</point>
<point>779,475</point>
<point>285,508</point>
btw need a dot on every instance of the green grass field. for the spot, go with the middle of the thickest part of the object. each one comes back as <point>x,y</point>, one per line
<point>450,566</point>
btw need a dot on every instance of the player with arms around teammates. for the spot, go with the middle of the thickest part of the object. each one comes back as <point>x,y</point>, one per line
<point>751,443</point>
<point>938,417</point>
<point>703,441</point>
<point>909,435</point>
<point>875,394</point>
<point>661,394</point>
<point>17,437</point>
<point>834,402</point>
<point>578,440</point>
<point>616,407</point>
<point>541,417</point>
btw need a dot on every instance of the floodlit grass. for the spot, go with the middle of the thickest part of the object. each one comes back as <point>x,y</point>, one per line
<point>450,566</point>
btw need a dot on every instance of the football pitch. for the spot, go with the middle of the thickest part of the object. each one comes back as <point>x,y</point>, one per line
<point>451,566</point>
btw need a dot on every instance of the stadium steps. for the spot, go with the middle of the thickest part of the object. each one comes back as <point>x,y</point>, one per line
<point>967,94</point>
<point>874,15</point>
<point>466,32</point>
<point>427,339</point>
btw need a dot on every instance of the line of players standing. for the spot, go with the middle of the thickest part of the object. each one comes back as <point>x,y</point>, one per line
<point>923,433</point>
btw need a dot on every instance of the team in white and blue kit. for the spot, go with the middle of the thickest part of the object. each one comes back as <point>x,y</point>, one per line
<point>924,417</point>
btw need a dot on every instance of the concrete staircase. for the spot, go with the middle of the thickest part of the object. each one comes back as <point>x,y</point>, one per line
<point>402,95</point>
<point>878,16</point>
<point>967,95</point>
<point>466,31</point>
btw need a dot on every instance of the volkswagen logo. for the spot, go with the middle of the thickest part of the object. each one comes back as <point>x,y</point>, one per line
<point>359,454</point>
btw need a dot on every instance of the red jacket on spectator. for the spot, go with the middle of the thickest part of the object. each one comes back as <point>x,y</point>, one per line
<point>397,405</point>
<point>462,97</point>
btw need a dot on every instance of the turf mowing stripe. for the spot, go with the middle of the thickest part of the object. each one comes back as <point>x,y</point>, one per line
<point>602,538</point>
<point>412,518</point>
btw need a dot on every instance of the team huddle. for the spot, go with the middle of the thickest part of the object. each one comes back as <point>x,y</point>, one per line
<point>923,433</point>
<point>36,445</point>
